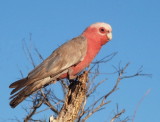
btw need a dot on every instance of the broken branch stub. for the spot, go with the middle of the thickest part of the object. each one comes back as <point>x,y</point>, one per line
<point>73,100</point>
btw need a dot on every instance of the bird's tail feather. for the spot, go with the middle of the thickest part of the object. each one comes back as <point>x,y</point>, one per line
<point>17,83</point>
<point>28,90</point>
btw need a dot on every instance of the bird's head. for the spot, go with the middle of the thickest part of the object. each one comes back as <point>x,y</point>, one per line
<point>99,32</point>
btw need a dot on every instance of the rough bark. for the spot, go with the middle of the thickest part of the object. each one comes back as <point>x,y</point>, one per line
<point>73,101</point>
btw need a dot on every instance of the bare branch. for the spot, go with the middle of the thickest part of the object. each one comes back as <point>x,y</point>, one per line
<point>95,110</point>
<point>64,86</point>
<point>106,58</point>
<point>27,52</point>
<point>28,117</point>
<point>117,115</point>
<point>39,55</point>
<point>103,60</point>
<point>94,88</point>
<point>139,103</point>
<point>47,102</point>
<point>20,71</point>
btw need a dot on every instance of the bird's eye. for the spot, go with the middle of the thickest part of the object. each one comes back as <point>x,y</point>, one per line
<point>102,30</point>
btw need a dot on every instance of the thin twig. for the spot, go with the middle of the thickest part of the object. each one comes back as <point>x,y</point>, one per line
<point>39,55</point>
<point>94,88</point>
<point>103,60</point>
<point>25,47</point>
<point>47,102</point>
<point>117,115</point>
<point>28,117</point>
<point>139,103</point>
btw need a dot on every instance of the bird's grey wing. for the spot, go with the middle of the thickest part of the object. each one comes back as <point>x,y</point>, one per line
<point>67,55</point>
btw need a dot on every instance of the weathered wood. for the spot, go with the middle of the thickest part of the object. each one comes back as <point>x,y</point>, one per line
<point>74,100</point>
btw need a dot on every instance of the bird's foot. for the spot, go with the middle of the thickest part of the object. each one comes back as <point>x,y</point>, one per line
<point>70,74</point>
<point>71,77</point>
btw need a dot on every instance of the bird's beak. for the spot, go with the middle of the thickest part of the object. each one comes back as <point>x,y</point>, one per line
<point>109,35</point>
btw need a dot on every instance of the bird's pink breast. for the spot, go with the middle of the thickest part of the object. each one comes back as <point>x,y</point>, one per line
<point>92,50</point>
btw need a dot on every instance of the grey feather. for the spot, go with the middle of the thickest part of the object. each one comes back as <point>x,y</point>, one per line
<point>67,55</point>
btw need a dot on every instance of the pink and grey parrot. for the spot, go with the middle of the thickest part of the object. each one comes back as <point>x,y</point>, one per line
<point>65,62</point>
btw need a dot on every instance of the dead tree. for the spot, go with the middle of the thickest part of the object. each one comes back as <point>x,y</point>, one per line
<point>72,108</point>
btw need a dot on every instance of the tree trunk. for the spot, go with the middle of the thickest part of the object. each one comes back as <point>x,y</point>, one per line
<point>73,101</point>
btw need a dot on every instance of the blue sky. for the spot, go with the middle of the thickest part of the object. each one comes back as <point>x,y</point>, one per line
<point>136,38</point>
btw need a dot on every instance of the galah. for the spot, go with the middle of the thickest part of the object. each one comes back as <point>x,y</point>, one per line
<point>65,62</point>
